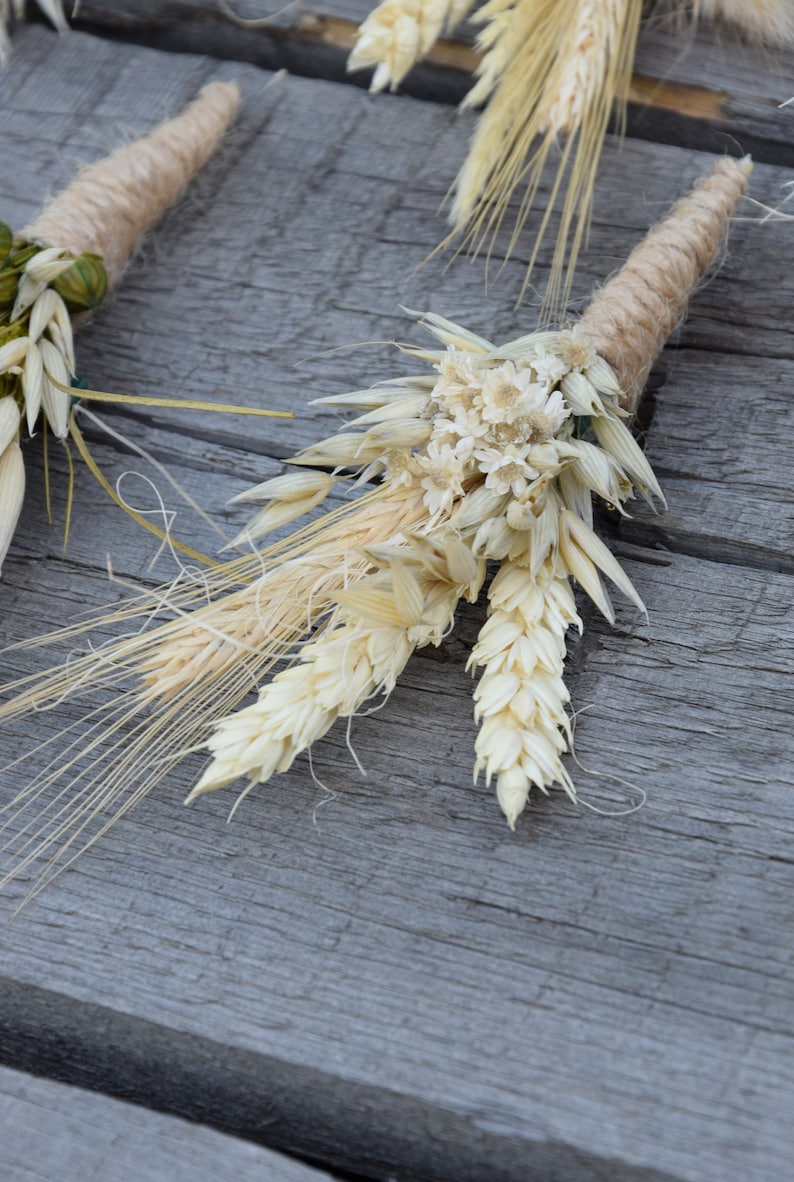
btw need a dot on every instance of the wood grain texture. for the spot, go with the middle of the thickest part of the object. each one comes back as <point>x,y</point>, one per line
<point>678,68</point>
<point>384,978</point>
<point>54,1131</point>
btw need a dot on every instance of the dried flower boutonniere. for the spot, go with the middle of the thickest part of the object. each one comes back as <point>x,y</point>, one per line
<point>61,267</point>
<point>494,453</point>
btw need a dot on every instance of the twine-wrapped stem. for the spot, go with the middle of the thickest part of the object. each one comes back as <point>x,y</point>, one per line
<point>635,312</point>
<point>111,204</point>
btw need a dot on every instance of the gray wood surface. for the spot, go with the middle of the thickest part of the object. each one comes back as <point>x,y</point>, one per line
<point>52,1131</point>
<point>704,88</point>
<point>386,979</point>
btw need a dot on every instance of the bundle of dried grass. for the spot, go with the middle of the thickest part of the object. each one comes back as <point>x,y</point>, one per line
<point>552,73</point>
<point>495,453</point>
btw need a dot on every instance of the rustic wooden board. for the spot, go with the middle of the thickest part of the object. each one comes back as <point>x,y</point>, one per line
<point>399,952</point>
<point>324,242</point>
<point>711,90</point>
<point>387,979</point>
<point>54,1131</point>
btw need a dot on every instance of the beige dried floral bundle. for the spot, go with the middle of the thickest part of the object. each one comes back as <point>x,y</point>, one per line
<point>62,265</point>
<point>551,76</point>
<point>494,453</point>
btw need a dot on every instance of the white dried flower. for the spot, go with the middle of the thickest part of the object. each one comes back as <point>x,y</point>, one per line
<point>508,393</point>
<point>443,479</point>
<point>9,422</point>
<point>506,469</point>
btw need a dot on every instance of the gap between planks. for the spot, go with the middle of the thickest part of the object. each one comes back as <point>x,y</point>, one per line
<point>666,110</point>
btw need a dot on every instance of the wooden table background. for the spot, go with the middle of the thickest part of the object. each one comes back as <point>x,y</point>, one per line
<point>392,985</point>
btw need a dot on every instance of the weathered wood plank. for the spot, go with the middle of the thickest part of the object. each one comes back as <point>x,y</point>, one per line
<point>711,56</point>
<point>719,439</point>
<point>402,941</point>
<point>54,1131</point>
<point>705,89</point>
<point>398,983</point>
<point>304,236</point>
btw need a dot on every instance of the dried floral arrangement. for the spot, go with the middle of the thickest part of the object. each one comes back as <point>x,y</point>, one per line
<point>551,75</point>
<point>62,265</point>
<point>493,454</point>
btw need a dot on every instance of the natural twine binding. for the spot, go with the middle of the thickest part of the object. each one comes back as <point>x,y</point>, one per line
<point>636,310</point>
<point>110,205</point>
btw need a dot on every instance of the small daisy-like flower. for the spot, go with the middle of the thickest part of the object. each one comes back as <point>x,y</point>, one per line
<point>576,349</point>
<point>548,366</point>
<point>545,421</point>
<point>506,469</point>
<point>444,476</point>
<point>459,380</point>
<point>466,426</point>
<point>401,467</point>
<point>508,393</point>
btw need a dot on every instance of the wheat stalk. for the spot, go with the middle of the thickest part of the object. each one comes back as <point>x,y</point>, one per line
<point>398,33</point>
<point>561,67</point>
<point>553,73</point>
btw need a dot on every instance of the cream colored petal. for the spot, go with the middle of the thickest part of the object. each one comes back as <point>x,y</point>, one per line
<point>60,331</point>
<point>408,594</point>
<point>292,486</point>
<point>47,265</point>
<point>12,494</point>
<point>411,407</point>
<point>33,386</point>
<point>372,603</point>
<point>512,793</point>
<point>56,406</point>
<point>42,312</point>
<point>452,334</point>
<point>272,517</point>
<point>616,438</point>
<point>603,377</point>
<point>581,395</point>
<point>584,571</point>
<point>494,694</point>
<point>407,433</point>
<point>9,422</point>
<point>27,291</point>
<point>13,353</point>
<point>591,545</point>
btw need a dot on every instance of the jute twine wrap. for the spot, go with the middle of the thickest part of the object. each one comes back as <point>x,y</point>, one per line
<point>110,205</point>
<point>635,312</point>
